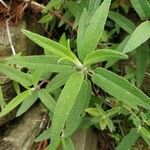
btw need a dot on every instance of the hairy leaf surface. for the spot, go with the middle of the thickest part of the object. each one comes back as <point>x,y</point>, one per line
<point>75,117</point>
<point>120,88</point>
<point>47,99</point>
<point>16,75</point>
<point>142,60</point>
<point>68,144</point>
<point>139,36</point>
<point>59,80</point>
<point>52,46</point>
<point>123,22</point>
<point>41,63</point>
<point>129,140</point>
<point>64,106</point>
<point>89,39</point>
<point>15,102</point>
<point>142,7</point>
<point>27,103</point>
<point>103,55</point>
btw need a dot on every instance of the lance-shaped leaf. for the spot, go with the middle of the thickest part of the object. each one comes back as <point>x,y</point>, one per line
<point>52,46</point>
<point>2,101</point>
<point>89,40</point>
<point>41,63</point>
<point>34,59</point>
<point>15,102</point>
<point>16,75</point>
<point>81,31</point>
<point>44,135</point>
<point>141,64</point>
<point>82,102</point>
<point>142,7</point>
<point>68,144</point>
<point>59,80</point>
<point>129,140</point>
<point>119,48</point>
<point>103,55</point>
<point>123,22</point>
<point>27,103</point>
<point>120,88</point>
<point>64,106</point>
<point>47,99</point>
<point>139,36</point>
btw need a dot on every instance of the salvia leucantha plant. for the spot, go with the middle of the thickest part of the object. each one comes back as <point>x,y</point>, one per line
<point>79,78</point>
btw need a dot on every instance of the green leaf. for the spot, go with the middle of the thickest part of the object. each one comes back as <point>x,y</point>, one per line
<point>27,103</point>
<point>52,4</point>
<point>64,106</point>
<point>140,35</point>
<point>16,75</point>
<point>93,6</point>
<point>129,140</point>
<point>68,144</point>
<point>44,135</point>
<point>15,102</point>
<point>59,80</point>
<point>73,7</point>
<point>81,30</point>
<point>142,8</point>
<point>41,63</point>
<point>2,102</point>
<point>119,48</point>
<point>47,99</point>
<point>34,59</point>
<point>76,116</point>
<point>52,46</point>
<point>63,40</point>
<point>145,133</point>
<point>120,88</point>
<point>92,111</point>
<point>104,119</point>
<point>89,40</point>
<point>112,111</point>
<point>141,65</point>
<point>103,55</point>
<point>123,22</point>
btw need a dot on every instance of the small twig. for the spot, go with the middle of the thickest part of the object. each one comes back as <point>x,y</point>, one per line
<point>1,1</point>
<point>9,36</point>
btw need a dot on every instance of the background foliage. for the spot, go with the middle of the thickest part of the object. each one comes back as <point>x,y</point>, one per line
<point>90,75</point>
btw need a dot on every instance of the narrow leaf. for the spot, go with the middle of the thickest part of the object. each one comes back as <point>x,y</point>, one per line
<point>64,106</point>
<point>75,117</point>
<point>15,102</point>
<point>81,30</point>
<point>59,80</point>
<point>142,8</point>
<point>94,30</point>
<point>47,99</point>
<point>140,35</point>
<point>27,103</point>
<point>120,88</point>
<point>42,63</point>
<point>119,48</point>
<point>141,65</point>
<point>123,22</point>
<point>52,46</point>
<point>129,140</point>
<point>16,75</point>
<point>2,101</point>
<point>103,55</point>
<point>43,136</point>
<point>68,144</point>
